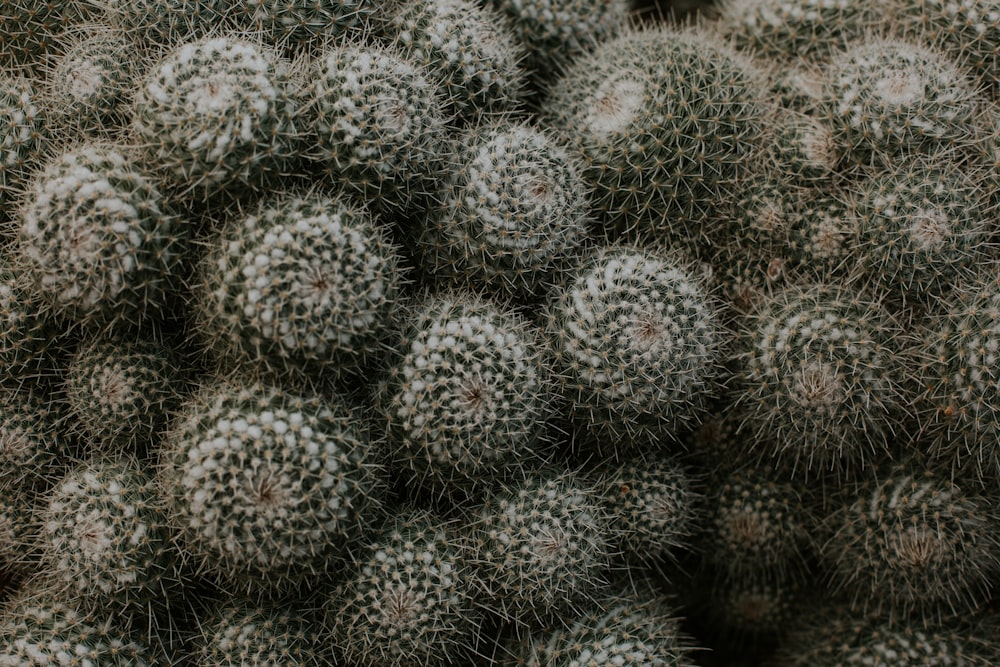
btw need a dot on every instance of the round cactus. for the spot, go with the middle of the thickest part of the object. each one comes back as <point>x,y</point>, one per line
<point>301,289</point>
<point>34,447</point>
<point>217,114</point>
<point>668,123</point>
<point>466,399</point>
<point>30,29</point>
<point>29,340</point>
<point>240,632</point>
<point>95,241</point>
<point>295,23</point>
<point>816,377</point>
<point>824,237</point>
<point>467,47</point>
<point>911,541</point>
<point>267,488</point>
<point>22,136</point>
<point>749,611</point>
<point>884,98</point>
<point>106,542</point>
<point>637,344</point>
<point>162,22</point>
<point>379,124</point>
<point>513,210</point>
<point>411,599</point>
<point>542,545</point>
<point>121,391</point>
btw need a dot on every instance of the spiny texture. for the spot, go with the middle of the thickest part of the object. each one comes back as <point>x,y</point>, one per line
<point>924,226</point>
<point>914,542</point>
<point>268,488</point>
<point>466,397</point>
<point>34,446</point>
<point>825,236</point>
<point>638,346</point>
<point>755,609</point>
<point>303,288</point>
<point>805,148</point>
<point>106,541</point>
<point>379,123</point>
<point>30,29</point>
<point>513,210</point>
<point>884,98</point>
<point>541,545</point>
<point>122,391</point>
<point>411,599</point>
<point>294,23</point>
<point>159,22</point>
<point>95,240</point>
<point>668,122</point>
<point>21,137</point>
<point>468,47</point>
<point>816,377</point>
<point>239,633</point>
<point>217,114</point>
<point>28,337</point>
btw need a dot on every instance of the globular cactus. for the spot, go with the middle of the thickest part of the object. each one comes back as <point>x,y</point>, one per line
<point>465,399</point>
<point>542,546</point>
<point>379,124</point>
<point>913,542</point>
<point>96,242</point>
<point>31,28</point>
<point>158,23</point>
<point>34,442</point>
<point>752,611</point>
<point>302,288</point>
<point>885,98</point>
<point>268,488</point>
<point>816,377</point>
<point>106,541</point>
<point>468,48</point>
<point>411,598</point>
<point>512,211</point>
<point>242,632</point>
<point>295,23</point>
<point>805,149</point>
<point>29,339</point>
<point>122,391</point>
<point>22,135</point>
<point>824,238</point>
<point>638,347</point>
<point>652,169</point>
<point>217,115</point>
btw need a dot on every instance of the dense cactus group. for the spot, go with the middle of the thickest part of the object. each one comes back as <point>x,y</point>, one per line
<point>550,333</point>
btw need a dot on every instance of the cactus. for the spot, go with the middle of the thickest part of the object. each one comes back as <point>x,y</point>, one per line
<point>541,544</point>
<point>465,400</point>
<point>268,488</point>
<point>295,23</point>
<point>106,542</point>
<point>652,168</point>
<point>816,377</point>
<point>34,446</point>
<point>638,347</point>
<point>411,598</point>
<point>513,210</point>
<point>122,391</point>
<point>217,115</point>
<point>22,136</point>
<point>29,340</point>
<point>467,47</point>
<point>303,288</point>
<point>159,23</point>
<point>379,124</point>
<point>96,242</point>
<point>31,28</point>
<point>825,237</point>
<point>913,542</point>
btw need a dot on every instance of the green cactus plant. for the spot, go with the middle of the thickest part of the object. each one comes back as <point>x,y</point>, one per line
<point>22,135</point>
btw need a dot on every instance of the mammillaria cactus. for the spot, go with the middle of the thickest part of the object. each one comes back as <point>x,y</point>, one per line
<point>268,488</point>
<point>293,23</point>
<point>304,287</point>
<point>31,27</point>
<point>379,124</point>
<point>162,22</point>
<point>465,400</point>
<point>34,447</point>
<point>95,240</point>
<point>217,114</point>
<point>21,137</point>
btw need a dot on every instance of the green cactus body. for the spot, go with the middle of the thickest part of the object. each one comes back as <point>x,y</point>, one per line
<point>379,124</point>
<point>89,85</point>
<point>542,545</point>
<point>30,29</point>
<point>267,488</point>
<point>824,237</point>
<point>787,30</point>
<point>95,240</point>
<point>466,399</point>
<point>106,542</point>
<point>33,443</point>
<point>668,123</point>
<point>411,599</point>
<point>924,226</point>
<point>468,48</point>
<point>750,611</point>
<point>817,377</point>
<point>20,537</point>
<point>513,210</point>
<point>28,338</point>
<point>122,391</point>
<point>913,542</point>
<point>301,290</point>
<point>22,134</point>
<point>217,114</point>
<point>162,22</point>
<point>294,23</point>
<point>239,633</point>
<point>637,344</point>
<point>885,98</point>
<point>805,147</point>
